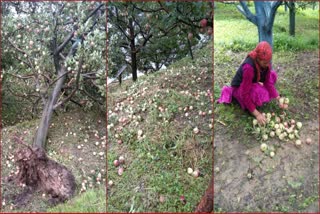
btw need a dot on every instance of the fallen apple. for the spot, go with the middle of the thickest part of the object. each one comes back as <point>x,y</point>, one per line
<point>265,137</point>
<point>299,125</point>
<point>272,134</point>
<point>121,159</point>
<point>120,171</point>
<point>196,130</point>
<point>196,173</point>
<point>298,143</point>
<point>263,147</point>
<point>308,141</point>
<point>272,154</point>
<point>116,163</point>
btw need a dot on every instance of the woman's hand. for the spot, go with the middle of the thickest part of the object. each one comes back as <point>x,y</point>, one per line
<point>260,117</point>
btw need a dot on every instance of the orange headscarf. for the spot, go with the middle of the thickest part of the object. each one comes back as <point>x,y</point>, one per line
<point>263,51</point>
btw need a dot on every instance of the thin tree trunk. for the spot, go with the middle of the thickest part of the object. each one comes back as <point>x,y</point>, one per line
<point>42,132</point>
<point>190,50</point>
<point>133,51</point>
<point>292,21</point>
<point>285,7</point>
<point>134,66</point>
<point>120,78</point>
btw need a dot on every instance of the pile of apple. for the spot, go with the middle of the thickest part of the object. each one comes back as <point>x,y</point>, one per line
<point>278,126</point>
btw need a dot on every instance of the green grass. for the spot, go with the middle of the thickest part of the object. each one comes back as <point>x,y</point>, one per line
<point>232,31</point>
<point>156,165</point>
<point>92,201</point>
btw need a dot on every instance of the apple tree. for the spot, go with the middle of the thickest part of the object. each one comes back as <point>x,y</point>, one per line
<point>149,35</point>
<point>54,53</point>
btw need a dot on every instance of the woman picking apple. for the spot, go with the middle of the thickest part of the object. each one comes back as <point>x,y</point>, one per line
<point>254,82</point>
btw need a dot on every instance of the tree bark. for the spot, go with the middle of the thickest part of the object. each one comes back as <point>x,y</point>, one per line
<point>120,79</point>
<point>133,51</point>
<point>292,17</point>
<point>264,18</point>
<point>264,31</point>
<point>42,132</point>
<point>190,49</point>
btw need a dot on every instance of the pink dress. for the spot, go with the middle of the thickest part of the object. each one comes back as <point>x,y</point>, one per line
<point>249,94</point>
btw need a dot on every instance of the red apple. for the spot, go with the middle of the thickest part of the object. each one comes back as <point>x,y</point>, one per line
<point>183,199</point>
<point>120,171</point>
<point>203,23</point>
<point>116,163</point>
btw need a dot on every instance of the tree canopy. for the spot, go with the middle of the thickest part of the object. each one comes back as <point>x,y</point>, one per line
<point>53,53</point>
<point>149,35</point>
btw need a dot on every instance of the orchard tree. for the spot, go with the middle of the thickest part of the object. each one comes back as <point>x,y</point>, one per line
<point>148,35</point>
<point>54,53</point>
<point>263,18</point>
<point>292,17</point>
<point>293,7</point>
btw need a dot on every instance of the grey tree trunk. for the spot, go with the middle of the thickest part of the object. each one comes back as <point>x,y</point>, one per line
<point>264,29</point>
<point>42,132</point>
<point>263,19</point>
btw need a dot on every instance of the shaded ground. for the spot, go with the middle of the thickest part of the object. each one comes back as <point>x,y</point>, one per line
<point>287,182</point>
<point>77,139</point>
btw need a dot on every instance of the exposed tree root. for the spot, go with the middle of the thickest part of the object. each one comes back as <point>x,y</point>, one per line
<point>37,172</point>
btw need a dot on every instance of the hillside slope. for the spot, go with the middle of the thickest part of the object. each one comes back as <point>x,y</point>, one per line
<point>161,125</point>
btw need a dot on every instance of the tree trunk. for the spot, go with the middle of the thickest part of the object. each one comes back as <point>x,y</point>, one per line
<point>264,31</point>
<point>133,51</point>
<point>292,21</point>
<point>206,202</point>
<point>190,49</point>
<point>42,132</point>
<point>134,66</point>
<point>285,7</point>
<point>120,79</point>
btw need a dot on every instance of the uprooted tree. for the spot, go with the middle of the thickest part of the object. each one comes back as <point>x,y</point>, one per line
<point>53,53</point>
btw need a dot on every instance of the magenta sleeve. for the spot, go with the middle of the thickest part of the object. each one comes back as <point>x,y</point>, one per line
<point>245,87</point>
<point>269,85</point>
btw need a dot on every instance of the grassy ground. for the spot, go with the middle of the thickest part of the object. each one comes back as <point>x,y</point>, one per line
<point>155,170</point>
<point>234,32</point>
<point>296,61</point>
<point>72,141</point>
